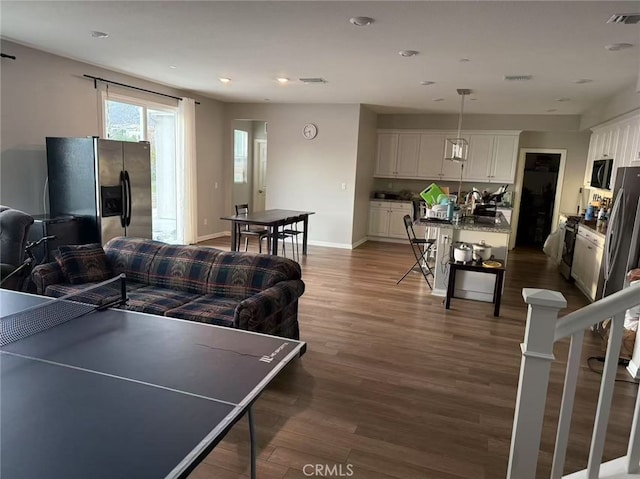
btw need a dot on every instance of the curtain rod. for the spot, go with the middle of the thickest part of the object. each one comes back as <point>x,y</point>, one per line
<point>97,79</point>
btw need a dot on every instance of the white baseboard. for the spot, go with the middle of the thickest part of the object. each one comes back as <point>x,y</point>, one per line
<point>634,370</point>
<point>439,292</point>
<point>387,240</point>
<point>213,236</point>
<point>330,245</point>
<point>358,243</point>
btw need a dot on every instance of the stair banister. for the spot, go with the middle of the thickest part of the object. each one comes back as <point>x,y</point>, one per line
<point>537,355</point>
<point>596,312</point>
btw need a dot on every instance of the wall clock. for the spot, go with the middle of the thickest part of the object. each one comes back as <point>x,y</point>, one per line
<point>310,131</point>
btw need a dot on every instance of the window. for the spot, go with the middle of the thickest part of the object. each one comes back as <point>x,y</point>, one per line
<point>131,119</point>
<point>240,156</point>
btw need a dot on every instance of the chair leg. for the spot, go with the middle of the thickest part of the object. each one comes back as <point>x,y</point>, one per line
<point>246,243</point>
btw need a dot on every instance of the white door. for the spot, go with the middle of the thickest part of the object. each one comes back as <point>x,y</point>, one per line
<point>260,175</point>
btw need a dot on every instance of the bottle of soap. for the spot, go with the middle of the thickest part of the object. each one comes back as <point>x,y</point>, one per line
<point>588,215</point>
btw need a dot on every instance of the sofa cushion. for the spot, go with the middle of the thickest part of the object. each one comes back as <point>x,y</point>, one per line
<point>182,268</point>
<point>209,309</point>
<point>98,296</point>
<point>157,300</point>
<point>132,256</point>
<point>83,263</point>
<point>240,275</point>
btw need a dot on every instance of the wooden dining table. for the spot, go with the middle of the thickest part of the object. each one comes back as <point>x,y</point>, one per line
<point>273,220</point>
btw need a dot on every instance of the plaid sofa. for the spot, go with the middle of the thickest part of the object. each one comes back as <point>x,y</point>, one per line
<point>255,292</point>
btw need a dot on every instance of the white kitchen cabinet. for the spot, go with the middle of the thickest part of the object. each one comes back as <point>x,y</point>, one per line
<point>587,260</point>
<point>478,164</point>
<point>431,155</point>
<point>386,218</point>
<point>492,158</point>
<point>505,155</point>
<point>618,140</point>
<point>387,154</point>
<point>397,155</point>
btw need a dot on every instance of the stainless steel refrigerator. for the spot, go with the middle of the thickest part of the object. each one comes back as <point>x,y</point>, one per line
<point>622,243</point>
<point>106,183</point>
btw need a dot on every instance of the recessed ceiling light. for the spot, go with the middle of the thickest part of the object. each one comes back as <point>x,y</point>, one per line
<point>173,67</point>
<point>614,47</point>
<point>473,99</point>
<point>580,81</point>
<point>361,21</point>
<point>438,99</point>
<point>551,110</point>
<point>464,60</point>
<point>427,82</point>
<point>267,99</point>
<point>224,80</point>
<point>97,34</point>
<point>562,99</point>
<point>408,53</point>
<point>282,80</point>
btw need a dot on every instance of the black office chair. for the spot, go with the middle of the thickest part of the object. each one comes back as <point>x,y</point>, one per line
<point>421,248</point>
<point>248,231</point>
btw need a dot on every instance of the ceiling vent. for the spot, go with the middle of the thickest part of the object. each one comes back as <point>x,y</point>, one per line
<point>518,77</point>
<point>313,80</point>
<point>626,18</point>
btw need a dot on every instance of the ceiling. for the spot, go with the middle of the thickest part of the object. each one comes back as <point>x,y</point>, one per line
<point>253,43</point>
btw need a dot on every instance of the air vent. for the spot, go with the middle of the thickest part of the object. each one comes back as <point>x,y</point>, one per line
<point>313,80</point>
<point>518,77</point>
<point>625,18</point>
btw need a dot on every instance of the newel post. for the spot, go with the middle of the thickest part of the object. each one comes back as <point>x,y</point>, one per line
<point>537,355</point>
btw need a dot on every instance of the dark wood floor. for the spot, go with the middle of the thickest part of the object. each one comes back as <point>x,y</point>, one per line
<point>395,387</point>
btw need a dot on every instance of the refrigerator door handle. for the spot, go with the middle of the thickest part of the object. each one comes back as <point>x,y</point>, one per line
<point>613,235</point>
<point>128,183</point>
<point>123,188</point>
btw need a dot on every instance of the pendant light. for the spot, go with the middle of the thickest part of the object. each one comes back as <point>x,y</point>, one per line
<point>457,149</point>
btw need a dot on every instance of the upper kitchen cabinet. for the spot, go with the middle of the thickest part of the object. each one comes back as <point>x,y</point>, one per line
<point>618,141</point>
<point>431,164</point>
<point>397,155</point>
<point>492,157</point>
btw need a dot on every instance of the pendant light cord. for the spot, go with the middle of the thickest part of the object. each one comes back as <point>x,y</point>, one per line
<point>460,117</point>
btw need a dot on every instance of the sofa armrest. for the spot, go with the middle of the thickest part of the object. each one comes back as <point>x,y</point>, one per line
<point>268,311</point>
<point>45,275</point>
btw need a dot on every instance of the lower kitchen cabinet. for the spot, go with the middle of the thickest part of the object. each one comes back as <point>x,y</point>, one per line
<point>386,218</point>
<point>587,260</point>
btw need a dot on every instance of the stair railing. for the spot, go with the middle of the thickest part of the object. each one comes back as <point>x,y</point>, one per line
<point>543,329</point>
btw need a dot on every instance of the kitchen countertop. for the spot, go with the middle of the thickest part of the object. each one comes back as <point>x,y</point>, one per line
<point>597,227</point>
<point>501,227</point>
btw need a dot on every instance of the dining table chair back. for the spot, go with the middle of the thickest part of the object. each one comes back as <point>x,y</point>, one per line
<point>250,231</point>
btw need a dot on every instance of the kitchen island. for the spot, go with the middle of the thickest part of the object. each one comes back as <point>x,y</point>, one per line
<point>469,284</point>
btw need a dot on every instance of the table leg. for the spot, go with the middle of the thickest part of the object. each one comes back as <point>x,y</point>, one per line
<point>450,286</point>
<point>274,240</point>
<point>234,236</point>
<point>498,293</point>
<point>252,438</point>
<point>305,224</point>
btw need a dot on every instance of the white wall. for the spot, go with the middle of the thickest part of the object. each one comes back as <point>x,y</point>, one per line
<point>626,100</point>
<point>45,95</point>
<point>308,174</point>
<point>367,144</point>
<point>481,122</point>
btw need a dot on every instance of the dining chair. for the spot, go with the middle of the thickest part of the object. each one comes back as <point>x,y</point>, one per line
<point>248,231</point>
<point>421,248</point>
<point>290,231</point>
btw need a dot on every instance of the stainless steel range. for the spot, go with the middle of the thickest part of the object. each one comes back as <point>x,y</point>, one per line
<point>570,228</point>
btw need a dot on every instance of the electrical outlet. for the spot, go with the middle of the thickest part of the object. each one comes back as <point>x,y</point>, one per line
<point>389,185</point>
<point>205,221</point>
<point>215,185</point>
<point>344,186</point>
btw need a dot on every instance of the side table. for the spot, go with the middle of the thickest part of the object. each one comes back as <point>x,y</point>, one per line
<point>455,266</point>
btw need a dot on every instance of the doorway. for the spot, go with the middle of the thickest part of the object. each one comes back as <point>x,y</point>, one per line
<point>249,163</point>
<point>538,199</point>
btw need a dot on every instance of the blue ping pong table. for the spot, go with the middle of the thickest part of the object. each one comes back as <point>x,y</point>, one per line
<point>118,394</point>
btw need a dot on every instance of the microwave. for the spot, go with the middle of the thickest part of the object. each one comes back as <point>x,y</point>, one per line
<point>601,173</point>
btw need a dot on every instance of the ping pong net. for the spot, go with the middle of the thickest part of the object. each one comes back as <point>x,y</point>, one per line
<point>50,314</point>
